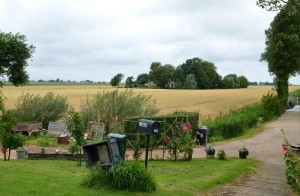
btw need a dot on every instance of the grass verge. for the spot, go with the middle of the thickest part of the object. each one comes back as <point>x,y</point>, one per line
<point>59,177</point>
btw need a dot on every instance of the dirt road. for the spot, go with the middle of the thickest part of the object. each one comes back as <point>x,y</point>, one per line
<point>269,179</point>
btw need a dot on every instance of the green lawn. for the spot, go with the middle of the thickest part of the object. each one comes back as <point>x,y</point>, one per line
<point>59,177</point>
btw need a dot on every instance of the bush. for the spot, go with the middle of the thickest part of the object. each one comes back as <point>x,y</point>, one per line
<point>129,176</point>
<point>31,108</point>
<point>272,104</point>
<point>221,154</point>
<point>236,122</point>
<point>127,105</point>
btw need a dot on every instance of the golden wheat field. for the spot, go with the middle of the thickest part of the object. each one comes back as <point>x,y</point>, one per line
<point>206,102</point>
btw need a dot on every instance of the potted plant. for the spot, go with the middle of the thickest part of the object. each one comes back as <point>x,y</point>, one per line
<point>221,154</point>
<point>210,151</point>
<point>243,152</point>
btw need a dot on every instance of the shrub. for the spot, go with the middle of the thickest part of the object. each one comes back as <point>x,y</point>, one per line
<point>133,177</point>
<point>221,154</point>
<point>31,108</point>
<point>236,122</point>
<point>129,176</point>
<point>97,178</point>
<point>127,105</point>
<point>272,104</point>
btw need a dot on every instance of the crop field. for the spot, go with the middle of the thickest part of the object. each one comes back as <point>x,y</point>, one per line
<point>206,102</point>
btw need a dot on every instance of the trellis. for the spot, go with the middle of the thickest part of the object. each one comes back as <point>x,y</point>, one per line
<point>167,129</point>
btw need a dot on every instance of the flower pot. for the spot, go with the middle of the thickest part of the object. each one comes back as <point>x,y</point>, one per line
<point>210,156</point>
<point>21,154</point>
<point>243,154</point>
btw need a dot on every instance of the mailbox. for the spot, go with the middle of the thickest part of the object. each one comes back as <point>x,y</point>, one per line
<point>148,127</point>
<point>102,153</point>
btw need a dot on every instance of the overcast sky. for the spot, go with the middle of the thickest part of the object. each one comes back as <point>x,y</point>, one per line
<point>97,39</point>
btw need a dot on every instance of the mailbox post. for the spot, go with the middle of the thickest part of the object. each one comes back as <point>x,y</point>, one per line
<point>148,127</point>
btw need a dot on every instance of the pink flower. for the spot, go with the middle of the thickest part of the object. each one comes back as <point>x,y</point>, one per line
<point>166,139</point>
<point>116,118</point>
<point>181,126</point>
<point>112,126</point>
<point>185,129</point>
<point>284,149</point>
<point>188,125</point>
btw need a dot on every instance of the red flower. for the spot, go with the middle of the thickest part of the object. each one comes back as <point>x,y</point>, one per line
<point>181,126</point>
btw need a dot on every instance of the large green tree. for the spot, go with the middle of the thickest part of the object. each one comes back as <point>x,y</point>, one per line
<point>142,78</point>
<point>161,75</point>
<point>275,5</point>
<point>283,48</point>
<point>14,56</point>
<point>204,71</point>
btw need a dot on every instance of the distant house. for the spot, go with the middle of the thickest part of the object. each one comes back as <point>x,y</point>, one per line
<point>173,84</point>
<point>150,85</point>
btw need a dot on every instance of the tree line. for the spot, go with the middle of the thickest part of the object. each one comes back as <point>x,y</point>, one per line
<point>194,73</point>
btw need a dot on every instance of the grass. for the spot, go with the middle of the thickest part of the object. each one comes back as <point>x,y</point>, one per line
<point>59,177</point>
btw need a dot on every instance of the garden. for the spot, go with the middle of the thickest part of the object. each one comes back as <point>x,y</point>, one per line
<point>176,139</point>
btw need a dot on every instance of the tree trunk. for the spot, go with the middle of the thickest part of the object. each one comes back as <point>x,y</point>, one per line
<point>4,153</point>
<point>9,150</point>
<point>282,89</point>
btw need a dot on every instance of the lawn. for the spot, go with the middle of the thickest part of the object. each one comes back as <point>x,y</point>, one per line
<point>60,177</point>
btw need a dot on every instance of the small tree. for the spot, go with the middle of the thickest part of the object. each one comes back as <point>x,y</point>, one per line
<point>8,138</point>
<point>76,127</point>
<point>115,81</point>
<point>129,81</point>
<point>244,83</point>
<point>190,82</point>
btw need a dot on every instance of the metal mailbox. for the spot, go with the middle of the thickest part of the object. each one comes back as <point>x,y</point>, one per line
<point>148,127</point>
<point>102,153</point>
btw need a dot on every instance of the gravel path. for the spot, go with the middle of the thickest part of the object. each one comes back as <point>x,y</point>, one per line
<point>269,179</point>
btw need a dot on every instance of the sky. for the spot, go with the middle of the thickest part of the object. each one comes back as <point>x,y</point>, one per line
<point>95,40</point>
